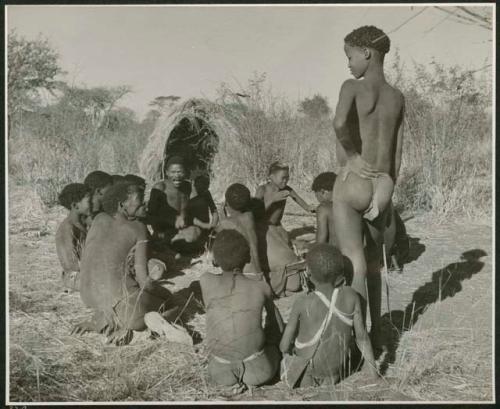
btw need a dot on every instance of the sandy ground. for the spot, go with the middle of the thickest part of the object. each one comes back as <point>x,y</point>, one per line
<point>444,296</point>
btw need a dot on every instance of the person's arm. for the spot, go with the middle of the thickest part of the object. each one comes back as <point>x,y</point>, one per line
<point>201,225</point>
<point>65,248</point>
<point>214,214</point>
<point>140,257</point>
<point>362,338</point>
<point>301,202</point>
<point>341,126</point>
<point>321,225</point>
<point>291,328</point>
<point>252,241</point>
<point>269,199</point>
<point>399,144</point>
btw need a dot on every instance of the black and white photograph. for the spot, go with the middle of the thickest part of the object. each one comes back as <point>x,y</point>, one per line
<point>249,203</point>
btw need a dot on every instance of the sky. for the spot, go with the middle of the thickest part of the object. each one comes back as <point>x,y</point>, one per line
<point>189,51</point>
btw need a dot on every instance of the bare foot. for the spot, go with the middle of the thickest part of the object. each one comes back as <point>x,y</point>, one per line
<point>83,327</point>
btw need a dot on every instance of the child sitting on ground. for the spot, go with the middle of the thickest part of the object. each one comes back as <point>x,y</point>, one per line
<point>242,352</point>
<point>167,208</point>
<point>98,182</point>
<point>275,247</point>
<point>318,334</point>
<point>119,297</point>
<point>70,235</point>
<point>240,218</point>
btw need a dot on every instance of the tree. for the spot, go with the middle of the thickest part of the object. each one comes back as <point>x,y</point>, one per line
<point>315,107</point>
<point>32,65</point>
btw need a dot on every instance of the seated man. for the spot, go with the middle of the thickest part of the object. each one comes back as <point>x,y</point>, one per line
<point>71,233</point>
<point>98,182</point>
<point>201,212</point>
<point>167,208</point>
<point>240,218</point>
<point>119,297</point>
<point>395,237</point>
<point>275,247</point>
<point>319,331</point>
<point>242,352</point>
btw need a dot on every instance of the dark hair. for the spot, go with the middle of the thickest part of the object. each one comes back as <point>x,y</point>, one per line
<point>324,181</point>
<point>369,36</point>
<point>325,263</point>
<point>231,250</point>
<point>136,180</point>
<point>117,178</point>
<point>238,197</point>
<point>116,194</point>
<point>175,160</point>
<point>201,183</point>
<point>73,193</point>
<point>98,179</point>
<point>277,166</point>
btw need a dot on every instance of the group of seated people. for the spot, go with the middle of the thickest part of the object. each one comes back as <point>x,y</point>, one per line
<point>110,256</point>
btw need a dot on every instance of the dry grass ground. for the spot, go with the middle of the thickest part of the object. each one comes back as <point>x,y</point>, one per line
<point>439,340</point>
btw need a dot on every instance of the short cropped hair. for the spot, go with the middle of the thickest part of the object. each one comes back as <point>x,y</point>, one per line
<point>324,181</point>
<point>117,194</point>
<point>231,250</point>
<point>136,180</point>
<point>277,166</point>
<point>98,179</point>
<point>73,193</point>
<point>369,36</point>
<point>175,160</point>
<point>238,197</point>
<point>118,178</point>
<point>201,183</point>
<point>325,263</point>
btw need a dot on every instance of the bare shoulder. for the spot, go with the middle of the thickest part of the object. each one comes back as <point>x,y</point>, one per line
<point>324,209</point>
<point>64,228</point>
<point>137,227</point>
<point>350,85</point>
<point>247,217</point>
<point>160,185</point>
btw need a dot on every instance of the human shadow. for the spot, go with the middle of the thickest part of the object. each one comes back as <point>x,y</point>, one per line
<point>444,283</point>
<point>189,302</point>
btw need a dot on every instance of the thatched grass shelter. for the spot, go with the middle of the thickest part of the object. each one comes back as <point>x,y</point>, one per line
<point>195,129</point>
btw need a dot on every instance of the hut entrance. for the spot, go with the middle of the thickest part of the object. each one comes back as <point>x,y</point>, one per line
<point>196,142</point>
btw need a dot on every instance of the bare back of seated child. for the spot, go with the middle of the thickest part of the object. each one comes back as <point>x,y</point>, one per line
<point>242,351</point>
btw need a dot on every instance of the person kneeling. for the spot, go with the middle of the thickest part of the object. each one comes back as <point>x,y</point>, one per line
<point>242,353</point>
<point>320,327</point>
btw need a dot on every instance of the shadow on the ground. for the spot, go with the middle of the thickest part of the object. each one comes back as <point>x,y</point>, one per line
<point>445,283</point>
<point>189,301</point>
<point>416,249</point>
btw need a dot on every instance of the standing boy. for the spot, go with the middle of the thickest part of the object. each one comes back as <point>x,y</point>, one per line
<point>71,233</point>
<point>370,160</point>
<point>242,352</point>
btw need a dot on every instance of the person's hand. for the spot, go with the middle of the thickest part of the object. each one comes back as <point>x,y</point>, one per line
<point>360,167</point>
<point>180,223</point>
<point>281,195</point>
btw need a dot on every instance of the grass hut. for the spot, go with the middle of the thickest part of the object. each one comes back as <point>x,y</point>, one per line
<point>196,129</point>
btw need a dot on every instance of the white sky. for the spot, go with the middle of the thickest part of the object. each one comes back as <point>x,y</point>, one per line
<point>188,51</point>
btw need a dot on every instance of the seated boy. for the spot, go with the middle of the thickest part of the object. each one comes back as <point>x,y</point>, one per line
<point>119,297</point>
<point>201,211</point>
<point>98,182</point>
<point>167,208</point>
<point>240,218</point>
<point>242,352</point>
<point>318,334</point>
<point>273,238</point>
<point>70,235</point>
